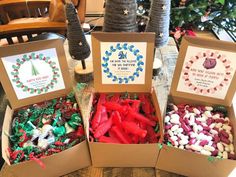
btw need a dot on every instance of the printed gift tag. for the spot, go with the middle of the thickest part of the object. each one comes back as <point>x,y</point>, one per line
<point>123,63</point>
<point>34,73</point>
<point>207,72</point>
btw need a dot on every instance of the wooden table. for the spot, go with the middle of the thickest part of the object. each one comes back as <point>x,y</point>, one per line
<point>167,55</point>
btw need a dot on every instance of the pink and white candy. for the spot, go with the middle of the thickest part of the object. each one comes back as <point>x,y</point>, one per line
<point>201,130</point>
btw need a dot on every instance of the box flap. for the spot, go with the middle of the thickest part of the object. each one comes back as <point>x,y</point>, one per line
<point>34,72</point>
<point>5,132</point>
<point>123,61</point>
<point>205,71</point>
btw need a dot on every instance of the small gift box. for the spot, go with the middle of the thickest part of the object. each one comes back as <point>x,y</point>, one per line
<point>123,82</point>
<point>43,132</point>
<point>200,120</point>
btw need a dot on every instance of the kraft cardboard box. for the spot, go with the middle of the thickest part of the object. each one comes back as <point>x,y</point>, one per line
<point>60,163</point>
<point>213,93</point>
<point>123,155</point>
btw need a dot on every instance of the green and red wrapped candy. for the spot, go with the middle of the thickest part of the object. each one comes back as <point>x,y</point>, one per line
<point>45,128</point>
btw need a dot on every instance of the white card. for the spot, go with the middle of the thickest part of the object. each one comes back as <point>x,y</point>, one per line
<point>34,73</point>
<point>207,72</point>
<point>123,62</point>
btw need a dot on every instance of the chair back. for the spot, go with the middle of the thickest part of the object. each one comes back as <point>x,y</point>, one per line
<point>24,19</point>
<point>15,9</point>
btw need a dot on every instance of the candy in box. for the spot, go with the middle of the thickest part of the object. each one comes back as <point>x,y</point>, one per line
<point>123,66</point>
<point>200,121</point>
<point>36,74</point>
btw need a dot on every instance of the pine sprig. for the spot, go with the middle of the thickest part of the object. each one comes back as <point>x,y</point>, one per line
<point>222,15</point>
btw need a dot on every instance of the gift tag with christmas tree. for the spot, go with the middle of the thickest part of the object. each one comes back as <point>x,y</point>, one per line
<point>33,71</point>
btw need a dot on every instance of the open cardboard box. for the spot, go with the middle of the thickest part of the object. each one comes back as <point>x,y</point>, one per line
<point>123,155</point>
<point>182,161</point>
<point>57,164</point>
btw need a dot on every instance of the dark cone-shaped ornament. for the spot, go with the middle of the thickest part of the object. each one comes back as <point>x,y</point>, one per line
<point>159,21</point>
<point>120,16</point>
<point>78,45</point>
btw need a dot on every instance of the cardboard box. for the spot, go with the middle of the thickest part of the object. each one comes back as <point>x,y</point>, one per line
<point>11,58</point>
<point>192,49</point>
<point>123,155</point>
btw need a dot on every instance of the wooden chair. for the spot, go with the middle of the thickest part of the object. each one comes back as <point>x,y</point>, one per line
<point>23,19</point>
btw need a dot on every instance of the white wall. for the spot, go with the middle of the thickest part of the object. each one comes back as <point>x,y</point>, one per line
<point>94,9</point>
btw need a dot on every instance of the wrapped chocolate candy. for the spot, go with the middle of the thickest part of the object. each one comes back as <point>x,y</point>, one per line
<point>45,128</point>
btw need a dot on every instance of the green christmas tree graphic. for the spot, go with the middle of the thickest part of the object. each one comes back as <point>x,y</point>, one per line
<point>34,69</point>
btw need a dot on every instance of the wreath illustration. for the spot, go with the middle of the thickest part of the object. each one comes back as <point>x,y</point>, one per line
<point>30,58</point>
<point>124,47</point>
<point>210,61</point>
